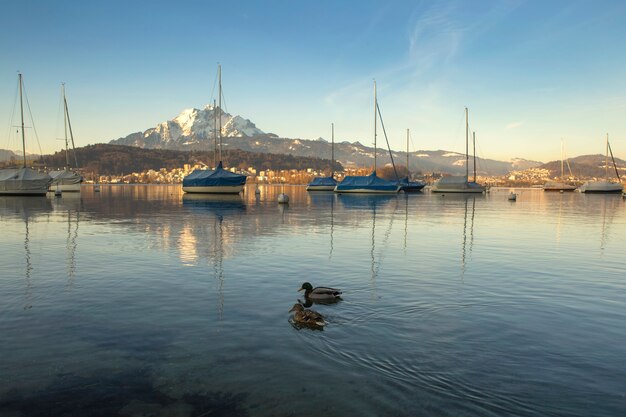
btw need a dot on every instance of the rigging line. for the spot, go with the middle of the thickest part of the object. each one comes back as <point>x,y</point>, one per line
<point>480,164</point>
<point>57,128</point>
<point>69,124</point>
<point>382,124</point>
<point>224,99</point>
<point>10,128</point>
<point>613,159</point>
<point>567,162</point>
<point>32,121</point>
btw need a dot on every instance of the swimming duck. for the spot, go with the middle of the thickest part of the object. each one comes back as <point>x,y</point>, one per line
<point>320,293</point>
<point>307,317</point>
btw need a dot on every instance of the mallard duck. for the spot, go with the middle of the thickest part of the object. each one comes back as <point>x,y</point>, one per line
<point>307,317</point>
<point>320,293</point>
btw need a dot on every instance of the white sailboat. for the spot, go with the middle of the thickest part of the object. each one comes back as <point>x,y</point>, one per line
<point>24,180</point>
<point>66,180</point>
<point>606,186</point>
<point>458,183</point>
<point>218,180</point>
<point>559,185</point>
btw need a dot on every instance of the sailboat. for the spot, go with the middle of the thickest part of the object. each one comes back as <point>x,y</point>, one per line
<point>368,183</point>
<point>219,180</point>
<point>460,184</point>
<point>407,185</point>
<point>559,185</point>
<point>66,179</point>
<point>23,181</point>
<point>606,186</point>
<point>326,183</point>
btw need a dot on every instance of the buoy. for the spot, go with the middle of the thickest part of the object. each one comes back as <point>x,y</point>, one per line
<point>512,196</point>
<point>561,191</point>
<point>57,192</point>
<point>96,188</point>
<point>283,198</point>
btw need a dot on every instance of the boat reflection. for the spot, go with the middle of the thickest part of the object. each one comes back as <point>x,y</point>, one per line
<point>219,204</point>
<point>28,209</point>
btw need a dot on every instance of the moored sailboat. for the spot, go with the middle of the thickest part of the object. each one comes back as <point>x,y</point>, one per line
<point>406,184</point>
<point>559,185</point>
<point>368,183</point>
<point>219,180</point>
<point>606,186</point>
<point>66,180</point>
<point>457,183</point>
<point>23,181</point>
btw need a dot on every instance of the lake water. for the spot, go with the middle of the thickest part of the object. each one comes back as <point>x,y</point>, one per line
<point>140,301</point>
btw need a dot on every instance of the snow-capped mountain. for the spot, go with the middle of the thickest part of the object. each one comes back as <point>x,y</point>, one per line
<point>191,129</point>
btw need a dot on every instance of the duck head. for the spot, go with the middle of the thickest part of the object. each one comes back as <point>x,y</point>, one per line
<point>297,307</point>
<point>306,287</point>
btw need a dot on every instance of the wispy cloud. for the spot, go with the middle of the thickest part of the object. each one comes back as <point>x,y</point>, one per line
<point>513,125</point>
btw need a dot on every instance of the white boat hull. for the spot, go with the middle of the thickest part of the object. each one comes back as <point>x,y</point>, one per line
<point>601,187</point>
<point>229,189</point>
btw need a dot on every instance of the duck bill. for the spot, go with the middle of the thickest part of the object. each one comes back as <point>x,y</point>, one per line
<point>292,309</point>
<point>301,289</point>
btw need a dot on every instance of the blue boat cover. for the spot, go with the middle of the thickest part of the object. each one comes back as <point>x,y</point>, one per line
<point>407,185</point>
<point>368,182</point>
<point>323,181</point>
<point>213,178</point>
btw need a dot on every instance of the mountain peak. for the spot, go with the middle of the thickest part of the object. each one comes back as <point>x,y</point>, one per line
<point>192,126</point>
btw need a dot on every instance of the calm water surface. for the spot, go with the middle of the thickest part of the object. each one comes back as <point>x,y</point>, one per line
<point>141,301</point>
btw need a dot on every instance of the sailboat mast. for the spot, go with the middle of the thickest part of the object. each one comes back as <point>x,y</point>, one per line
<point>407,153</point>
<point>562,157</point>
<point>375,114</point>
<point>332,150</point>
<point>219,69</point>
<point>69,125</point>
<point>474,144</point>
<point>214,134</point>
<point>22,113</point>
<point>606,158</point>
<point>466,144</point>
<point>67,151</point>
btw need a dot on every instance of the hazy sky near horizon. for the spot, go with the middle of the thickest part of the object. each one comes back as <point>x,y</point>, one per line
<point>530,72</point>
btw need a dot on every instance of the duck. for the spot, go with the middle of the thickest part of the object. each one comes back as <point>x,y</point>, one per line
<point>307,317</point>
<point>320,293</point>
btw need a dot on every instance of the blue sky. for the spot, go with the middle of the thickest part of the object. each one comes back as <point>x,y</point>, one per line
<point>531,72</point>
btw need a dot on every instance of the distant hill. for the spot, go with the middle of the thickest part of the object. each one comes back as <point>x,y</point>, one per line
<point>587,166</point>
<point>194,129</point>
<point>6,155</point>
<point>105,159</point>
